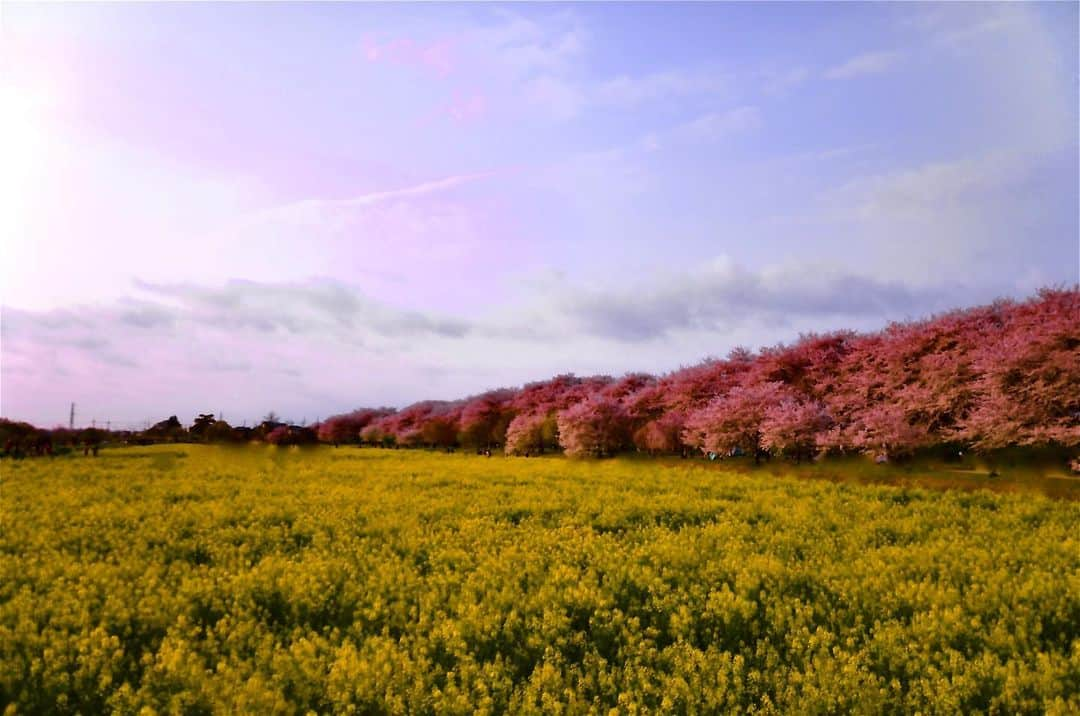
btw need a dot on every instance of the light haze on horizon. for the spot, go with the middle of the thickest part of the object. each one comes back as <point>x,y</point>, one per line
<point>306,208</point>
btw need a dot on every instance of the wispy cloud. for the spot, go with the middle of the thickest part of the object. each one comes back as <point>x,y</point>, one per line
<point>722,295</point>
<point>554,97</point>
<point>714,297</point>
<point>957,26</point>
<point>529,63</point>
<point>708,127</point>
<point>467,107</point>
<point>631,90</point>
<point>933,186</point>
<point>531,46</point>
<point>719,124</point>
<point>962,219</point>
<point>378,197</point>
<point>308,307</point>
<point>778,82</point>
<point>436,57</point>
<point>408,242</point>
<point>870,63</point>
<point>540,65</point>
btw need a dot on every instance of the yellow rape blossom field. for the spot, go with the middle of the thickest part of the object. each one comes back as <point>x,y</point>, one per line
<point>187,579</point>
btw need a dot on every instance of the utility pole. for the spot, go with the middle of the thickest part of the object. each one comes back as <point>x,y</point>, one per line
<point>93,423</point>
<point>108,425</point>
<point>71,418</point>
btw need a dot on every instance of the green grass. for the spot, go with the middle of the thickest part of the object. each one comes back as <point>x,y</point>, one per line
<point>187,579</point>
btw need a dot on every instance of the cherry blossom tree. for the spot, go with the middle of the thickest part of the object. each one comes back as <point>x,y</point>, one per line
<point>623,388</point>
<point>556,394</point>
<point>406,426</point>
<point>525,434</point>
<point>1029,379</point>
<point>346,428</point>
<point>440,430</point>
<point>375,434</point>
<point>485,418</point>
<point>284,435</point>
<point>663,434</point>
<point>694,387</point>
<point>924,369</point>
<point>806,364</point>
<point>884,431</point>
<point>596,426</point>
<point>534,427</point>
<point>792,427</point>
<point>733,421</point>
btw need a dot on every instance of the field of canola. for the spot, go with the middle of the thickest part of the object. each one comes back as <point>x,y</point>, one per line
<point>187,579</point>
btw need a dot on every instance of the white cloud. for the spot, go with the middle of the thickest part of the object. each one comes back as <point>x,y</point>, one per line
<point>777,82</point>
<point>720,124</point>
<point>308,307</point>
<point>527,47</point>
<point>629,91</point>
<point>870,63</point>
<point>933,186</point>
<point>538,66</point>
<point>720,295</point>
<point>709,127</point>
<point>962,220</point>
<point>959,25</point>
<point>243,347</point>
<point>554,97</point>
<point>527,66</point>
<point>365,200</point>
<point>1029,83</point>
<point>417,243</point>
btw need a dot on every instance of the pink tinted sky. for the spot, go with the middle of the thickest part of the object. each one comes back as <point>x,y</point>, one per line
<point>310,207</point>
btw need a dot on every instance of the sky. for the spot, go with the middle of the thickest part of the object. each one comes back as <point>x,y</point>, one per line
<point>308,208</point>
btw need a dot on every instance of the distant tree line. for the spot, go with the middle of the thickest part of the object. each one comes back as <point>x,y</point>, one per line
<point>1002,375</point>
<point>20,439</point>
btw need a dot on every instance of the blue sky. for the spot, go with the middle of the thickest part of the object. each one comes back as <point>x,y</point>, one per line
<point>310,207</point>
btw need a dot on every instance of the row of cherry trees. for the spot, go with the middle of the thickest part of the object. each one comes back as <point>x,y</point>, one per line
<point>988,377</point>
